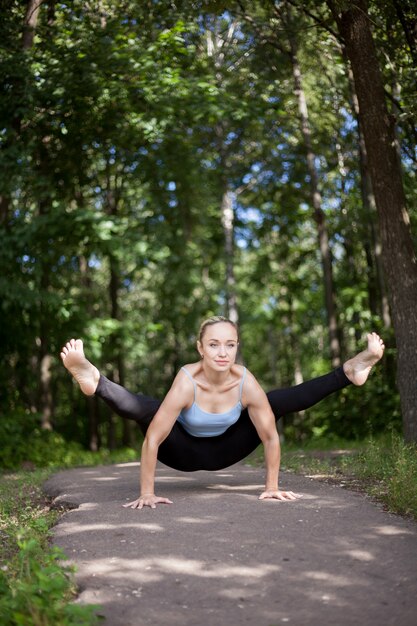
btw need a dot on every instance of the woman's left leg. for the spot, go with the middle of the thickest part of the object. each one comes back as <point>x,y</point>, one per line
<point>307,394</point>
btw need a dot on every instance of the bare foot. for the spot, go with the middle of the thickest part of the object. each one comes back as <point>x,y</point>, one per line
<point>357,369</point>
<point>84,372</point>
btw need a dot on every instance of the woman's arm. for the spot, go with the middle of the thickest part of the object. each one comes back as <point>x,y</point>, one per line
<point>263,419</point>
<point>178,397</point>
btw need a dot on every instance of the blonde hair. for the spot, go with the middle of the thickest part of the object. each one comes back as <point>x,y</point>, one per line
<point>215,319</point>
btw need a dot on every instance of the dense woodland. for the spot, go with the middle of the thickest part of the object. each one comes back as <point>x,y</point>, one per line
<point>162,161</point>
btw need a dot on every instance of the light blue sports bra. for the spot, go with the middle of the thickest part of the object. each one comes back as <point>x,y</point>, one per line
<point>201,423</point>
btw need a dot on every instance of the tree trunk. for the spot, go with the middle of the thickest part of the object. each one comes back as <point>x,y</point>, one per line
<point>398,253</point>
<point>45,359</point>
<point>217,44</point>
<point>406,12</point>
<point>348,243</point>
<point>227,217</point>
<point>93,422</point>
<point>319,216</point>
<point>376,288</point>
<point>30,22</point>
<point>298,377</point>
<point>46,393</point>
<point>28,33</point>
<point>92,404</point>
<point>119,366</point>
<point>117,347</point>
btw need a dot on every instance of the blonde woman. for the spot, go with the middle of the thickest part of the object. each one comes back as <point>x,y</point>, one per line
<point>215,412</point>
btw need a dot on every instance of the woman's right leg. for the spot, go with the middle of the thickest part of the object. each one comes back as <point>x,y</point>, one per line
<point>132,406</point>
<point>136,407</point>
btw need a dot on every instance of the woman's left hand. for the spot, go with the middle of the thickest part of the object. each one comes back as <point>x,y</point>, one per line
<point>275,494</point>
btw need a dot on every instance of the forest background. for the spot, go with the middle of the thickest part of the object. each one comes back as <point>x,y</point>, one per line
<point>165,161</point>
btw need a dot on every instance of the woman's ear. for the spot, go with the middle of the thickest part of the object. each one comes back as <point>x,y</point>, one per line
<point>200,348</point>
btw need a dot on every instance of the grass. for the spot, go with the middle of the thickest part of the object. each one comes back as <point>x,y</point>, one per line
<point>36,587</point>
<point>384,468</point>
<point>23,509</point>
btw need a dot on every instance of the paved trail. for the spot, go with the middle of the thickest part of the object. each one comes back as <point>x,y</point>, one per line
<point>220,557</point>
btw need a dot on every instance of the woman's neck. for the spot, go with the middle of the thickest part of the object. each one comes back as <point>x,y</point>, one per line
<point>214,377</point>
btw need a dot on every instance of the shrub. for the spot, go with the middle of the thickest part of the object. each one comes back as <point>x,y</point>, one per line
<point>23,441</point>
<point>39,595</point>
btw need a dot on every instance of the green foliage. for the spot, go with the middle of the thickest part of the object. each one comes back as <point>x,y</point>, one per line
<point>22,509</point>
<point>122,127</point>
<point>392,466</point>
<point>25,443</point>
<point>39,593</point>
<point>35,587</point>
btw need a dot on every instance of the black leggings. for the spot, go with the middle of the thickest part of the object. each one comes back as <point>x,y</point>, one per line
<point>187,453</point>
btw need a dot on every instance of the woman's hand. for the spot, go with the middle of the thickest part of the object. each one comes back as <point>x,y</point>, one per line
<point>148,499</point>
<point>276,494</point>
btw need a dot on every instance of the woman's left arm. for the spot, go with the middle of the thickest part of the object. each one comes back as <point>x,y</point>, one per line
<point>263,419</point>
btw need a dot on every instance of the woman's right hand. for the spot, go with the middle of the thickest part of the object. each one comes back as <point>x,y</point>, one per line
<point>148,499</point>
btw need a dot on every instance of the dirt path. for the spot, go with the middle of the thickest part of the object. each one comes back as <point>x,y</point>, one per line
<point>220,557</point>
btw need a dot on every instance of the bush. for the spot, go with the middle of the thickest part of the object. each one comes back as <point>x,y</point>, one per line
<point>23,441</point>
<point>39,595</point>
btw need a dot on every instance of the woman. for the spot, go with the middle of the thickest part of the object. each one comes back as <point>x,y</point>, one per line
<point>215,413</point>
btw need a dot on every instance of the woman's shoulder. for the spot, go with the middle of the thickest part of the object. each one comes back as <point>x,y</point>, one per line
<point>251,383</point>
<point>239,370</point>
<point>242,370</point>
<point>252,391</point>
<point>183,384</point>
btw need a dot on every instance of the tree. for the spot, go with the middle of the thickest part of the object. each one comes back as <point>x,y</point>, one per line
<point>398,252</point>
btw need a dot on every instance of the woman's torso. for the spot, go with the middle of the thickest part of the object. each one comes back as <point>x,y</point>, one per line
<point>212,411</point>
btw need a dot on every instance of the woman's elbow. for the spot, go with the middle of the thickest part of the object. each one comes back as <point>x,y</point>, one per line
<point>152,441</point>
<point>149,445</point>
<point>270,438</point>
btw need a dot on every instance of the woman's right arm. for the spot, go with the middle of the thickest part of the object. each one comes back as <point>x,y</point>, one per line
<point>179,396</point>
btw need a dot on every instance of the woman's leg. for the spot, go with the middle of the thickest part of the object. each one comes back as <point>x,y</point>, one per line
<point>129,405</point>
<point>355,371</point>
<point>126,404</point>
<point>307,394</point>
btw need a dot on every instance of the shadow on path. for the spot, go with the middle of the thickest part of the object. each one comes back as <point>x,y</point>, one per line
<point>220,557</point>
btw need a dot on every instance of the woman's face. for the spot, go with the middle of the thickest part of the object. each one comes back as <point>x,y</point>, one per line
<point>219,345</point>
